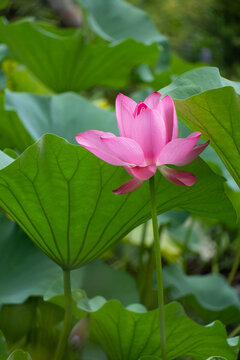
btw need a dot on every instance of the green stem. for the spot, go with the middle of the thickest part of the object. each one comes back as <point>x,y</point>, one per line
<point>142,246</point>
<point>62,343</point>
<point>215,264</point>
<point>146,289</point>
<point>235,331</point>
<point>186,244</point>
<point>158,269</point>
<point>235,265</point>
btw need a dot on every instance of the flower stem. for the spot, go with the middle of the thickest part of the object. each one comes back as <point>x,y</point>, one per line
<point>158,269</point>
<point>235,331</point>
<point>235,265</point>
<point>67,319</point>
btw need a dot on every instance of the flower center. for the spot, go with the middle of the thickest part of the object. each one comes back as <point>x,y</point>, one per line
<point>139,108</point>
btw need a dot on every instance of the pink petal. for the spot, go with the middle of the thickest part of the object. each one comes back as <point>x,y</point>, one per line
<point>142,173</point>
<point>167,109</point>
<point>193,154</point>
<point>150,133</point>
<point>128,187</point>
<point>178,177</point>
<point>177,150</point>
<point>124,112</point>
<point>153,100</point>
<point>127,150</point>
<point>100,144</point>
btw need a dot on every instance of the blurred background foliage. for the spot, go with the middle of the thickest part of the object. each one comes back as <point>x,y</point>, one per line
<point>206,31</point>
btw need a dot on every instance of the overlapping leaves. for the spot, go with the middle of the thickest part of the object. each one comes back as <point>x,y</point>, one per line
<point>132,333</point>
<point>64,115</point>
<point>64,61</point>
<point>208,295</point>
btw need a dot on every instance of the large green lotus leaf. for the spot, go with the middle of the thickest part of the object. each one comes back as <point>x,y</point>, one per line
<point>197,81</point>
<point>19,355</point>
<point>64,115</point>
<point>216,114</point>
<point>129,334</point>
<point>133,333</point>
<point>119,20</point>
<point>61,195</point>
<point>209,296</point>
<point>64,61</point>
<point>210,103</point>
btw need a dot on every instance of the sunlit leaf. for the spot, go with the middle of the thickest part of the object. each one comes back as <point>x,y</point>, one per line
<point>19,78</point>
<point>197,81</point>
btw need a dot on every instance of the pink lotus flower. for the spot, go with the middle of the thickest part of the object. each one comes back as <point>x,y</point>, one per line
<point>148,141</point>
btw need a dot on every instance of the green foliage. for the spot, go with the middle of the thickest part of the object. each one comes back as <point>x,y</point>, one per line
<point>5,160</point>
<point>132,334</point>
<point>19,355</point>
<point>3,347</point>
<point>64,115</point>
<point>3,4</point>
<point>59,195</point>
<point>30,273</point>
<point>54,169</point>
<point>210,296</point>
<point>215,113</point>
<point>118,20</point>
<point>9,126</point>
<point>64,61</point>
<point>197,81</point>
<point>211,105</point>
<point>15,355</point>
<point>197,30</point>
